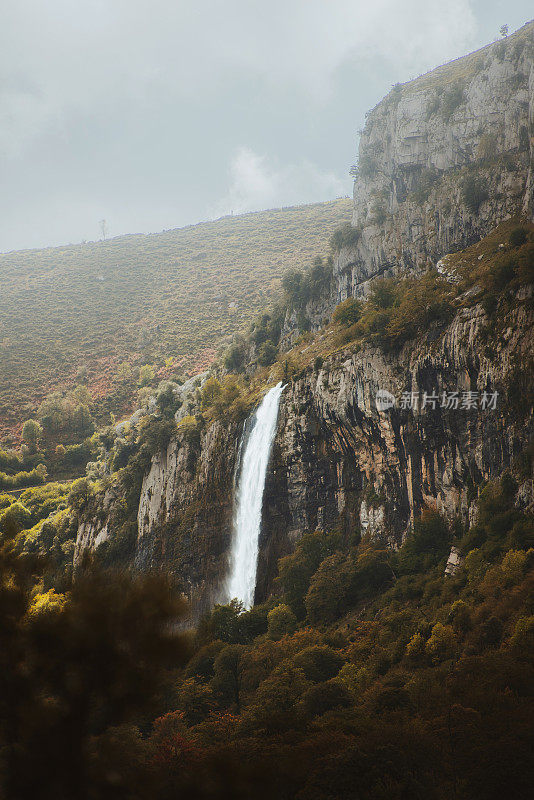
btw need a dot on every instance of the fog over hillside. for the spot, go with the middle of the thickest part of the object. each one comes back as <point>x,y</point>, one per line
<point>158,114</point>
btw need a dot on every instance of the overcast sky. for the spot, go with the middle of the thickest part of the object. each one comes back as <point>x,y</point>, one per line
<point>154,114</point>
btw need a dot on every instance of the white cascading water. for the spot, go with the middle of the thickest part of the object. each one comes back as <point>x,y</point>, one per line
<point>249,499</point>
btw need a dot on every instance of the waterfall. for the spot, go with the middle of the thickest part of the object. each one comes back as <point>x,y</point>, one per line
<point>249,498</point>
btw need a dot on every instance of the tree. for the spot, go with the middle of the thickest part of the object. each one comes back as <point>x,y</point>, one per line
<point>201,666</point>
<point>503,30</point>
<point>221,623</point>
<point>292,284</point>
<point>319,662</point>
<point>226,682</point>
<point>296,570</point>
<point>250,624</point>
<point>267,354</point>
<point>15,517</point>
<point>324,697</point>
<point>275,701</point>
<point>234,358</point>
<point>82,395</point>
<point>146,374</point>
<point>31,434</point>
<point>415,649</point>
<point>196,700</point>
<point>80,493</point>
<point>426,544</point>
<point>167,398</point>
<point>332,589</point>
<point>441,644</point>
<point>52,412</point>
<point>522,640</point>
<point>82,420</point>
<point>373,571</point>
<point>348,312</point>
<point>474,193</point>
<point>210,393</point>
<point>346,235</point>
<point>383,293</point>
<point>280,622</point>
<point>460,616</point>
<point>72,668</point>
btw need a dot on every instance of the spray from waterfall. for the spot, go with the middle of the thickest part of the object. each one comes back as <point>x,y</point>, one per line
<point>249,498</point>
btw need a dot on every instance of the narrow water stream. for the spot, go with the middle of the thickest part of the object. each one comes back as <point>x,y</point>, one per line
<point>249,498</point>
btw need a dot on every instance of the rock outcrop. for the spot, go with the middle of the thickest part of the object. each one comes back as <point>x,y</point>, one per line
<point>346,462</point>
<point>443,160</point>
<point>185,511</point>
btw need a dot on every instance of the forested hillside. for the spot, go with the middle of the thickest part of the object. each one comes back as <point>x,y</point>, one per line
<point>75,314</point>
<point>374,417</point>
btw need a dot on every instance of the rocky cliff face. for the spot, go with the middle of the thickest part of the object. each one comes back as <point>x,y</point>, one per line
<point>185,511</point>
<point>341,460</point>
<point>443,160</point>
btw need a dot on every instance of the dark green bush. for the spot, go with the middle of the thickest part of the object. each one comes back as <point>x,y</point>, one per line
<point>235,358</point>
<point>295,289</point>
<point>332,589</point>
<point>156,432</point>
<point>345,236</point>
<point>518,236</point>
<point>426,181</point>
<point>325,697</point>
<point>367,166</point>
<point>296,570</point>
<point>474,193</point>
<point>426,545</point>
<point>451,100</point>
<point>319,663</point>
<point>267,355</point>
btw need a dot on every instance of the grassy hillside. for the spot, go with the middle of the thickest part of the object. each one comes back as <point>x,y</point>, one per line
<point>89,307</point>
<point>466,67</point>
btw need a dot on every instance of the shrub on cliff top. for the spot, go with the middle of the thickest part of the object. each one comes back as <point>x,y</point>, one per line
<point>398,310</point>
<point>156,432</point>
<point>210,393</point>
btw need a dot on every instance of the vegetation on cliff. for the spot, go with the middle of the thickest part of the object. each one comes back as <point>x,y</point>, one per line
<point>107,308</point>
<point>369,672</point>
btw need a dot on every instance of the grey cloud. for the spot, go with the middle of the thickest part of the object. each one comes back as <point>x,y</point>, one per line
<point>144,111</point>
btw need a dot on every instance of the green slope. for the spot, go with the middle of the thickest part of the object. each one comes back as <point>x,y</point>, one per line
<point>143,298</point>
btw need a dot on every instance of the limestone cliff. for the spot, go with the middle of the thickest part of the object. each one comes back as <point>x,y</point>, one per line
<point>339,460</point>
<point>443,160</point>
<point>185,511</point>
